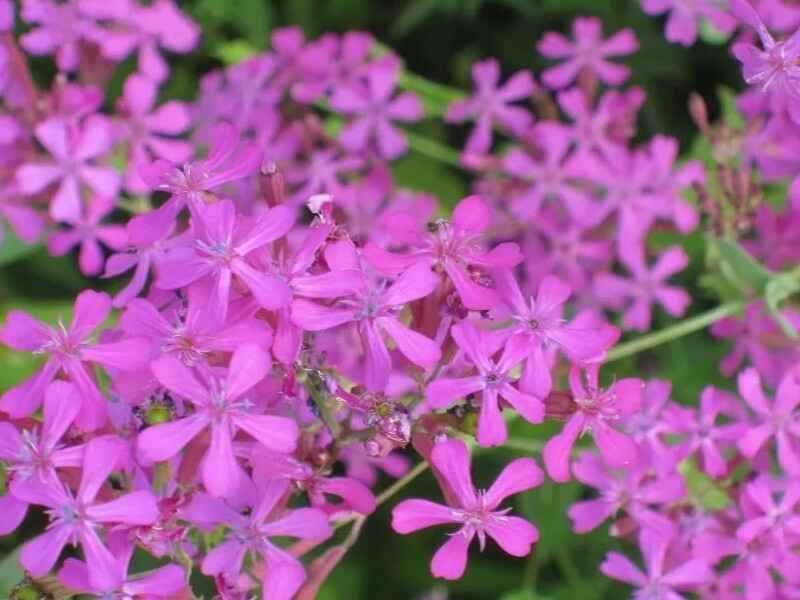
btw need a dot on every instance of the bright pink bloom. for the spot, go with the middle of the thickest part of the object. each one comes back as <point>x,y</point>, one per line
<point>284,574</point>
<point>491,105</point>
<point>775,67</point>
<point>223,406</point>
<point>73,150</point>
<point>60,28</point>
<point>778,520</point>
<point>662,577</point>
<point>779,420</point>
<point>78,518</point>
<point>69,351</point>
<point>453,247</point>
<point>684,17</point>
<point>595,411</point>
<point>648,285</point>
<point>540,324</point>
<point>146,129</point>
<point>88,232</point>
<point>475,511</point>
<point>493,380</point>
<point>589,51</point>
<point>375,309</point>
<point>219,250</point>
<point>376,109</point>
<point>636,492</point>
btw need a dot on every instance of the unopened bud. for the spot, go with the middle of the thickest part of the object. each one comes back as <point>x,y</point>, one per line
<point>699,112</point>
<point>559,405</point>
<point>273,186</point>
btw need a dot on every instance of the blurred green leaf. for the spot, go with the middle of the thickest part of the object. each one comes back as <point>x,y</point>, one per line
<point>779,288</point>
<point>701,487</point>
<point>235,51</point>
<point>10,573</point>
<point>738,266</point>
<point>13,248</point>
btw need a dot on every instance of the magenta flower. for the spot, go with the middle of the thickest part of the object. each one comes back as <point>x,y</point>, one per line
<point>661,578</point>
<point>6,15</point>
<point>35,454</point>
<point>474,510</point>
<point>779,421</point>
<point>73,150</point>
<point>702,432</point>
<point>146,128</point>
<point>59,29</point>
<point>320,173</point>
<point>221,405</point>
<point>376,109</point>
<point>595,411</point>
<point>220,249</point>
<point>189,336</point>
<point>20,215</point>
<point>453,247</point>
<point>284,574</point>
<point>636,295</point>
<point>588,52</point>
<point>375,309</point>
<point>493,380</point>
<point>88,232</point>
<point>354,495</point>
<point>757,337</point>
<point>144,26</point>
<point>551,178</point>
<point>79,518</point>
<point>69,351</point>
<point>193,182</point>
<point>158,584</point>
<point>684,17</point>
<point>540,324</point>
<point>774,68</point>
<point>778,520</point>
<point>491,105</point>
<point>633,491</point>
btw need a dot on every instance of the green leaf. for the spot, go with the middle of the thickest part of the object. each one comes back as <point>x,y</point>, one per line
<point>711,35</point>
<point>10,574</point>
<point>738,266</point>
<point>235,51</point>
<point>13,248</point>
<point>523,594</point>
<point>779,288</point>
<point>703,490</point>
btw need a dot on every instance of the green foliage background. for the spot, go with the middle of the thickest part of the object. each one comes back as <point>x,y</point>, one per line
<point>439,39</point>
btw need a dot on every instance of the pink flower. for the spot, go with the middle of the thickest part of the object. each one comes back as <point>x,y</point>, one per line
<point>158,584</point>
<point>540,324</point>
<point>633,491</point>
<point>774,68</point>
<point>595,411</point>
<point>88,232</point>
<point>36,453</point>
<point>23,219</point>
<point>284,574</point>
<point>73,149</point>
<point>376,109</point>
<point>223,406</point>
<point>375,308</point>
<point>589,51</point>
<point>59,28</point>
<point>475,511</point>
<point>191,183</point>
<point>492,104</point>
<point>779,421</point>
<point>453,247</point>
<point>685,16</point>
<point>79,518</point>
<point>69,351</point>
<point>493,380</point>
<point>146,129</point>
<point>778,520</point>
<point>635,295</point>
<point>661,578</point>
<point>219,251</point>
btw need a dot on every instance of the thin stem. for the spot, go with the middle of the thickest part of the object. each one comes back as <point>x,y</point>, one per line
<point>433,149</point>
<point>686,327</point>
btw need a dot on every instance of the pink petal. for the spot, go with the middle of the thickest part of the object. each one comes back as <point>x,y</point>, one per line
<point>413,515</point>
<point>249,365</point>
<point>101,456</point>
<point>225,558</point>
<point>164,581</point>
<point>443,391</point>
<point>472,215</point>
<point>221,472</point>
<point>135,508</point>
<point>315,317</point>
<point>378,362</point>
<point>105,572</point>
<point>557,450</point>
<point>416,347</point>
<point>451,459</point>
<point>270,291</point>
<point>513,534</point>
<point>588,514</point>
<point>278,434</point>
<point>450,561</point>
<point>160,442</point>
<point>40,554</point>
<point>492,429</point>
<point>23,332</point>
<point>178,378</point>
<point>617,566</point>
<point>417,282</point>
<point>618,450</point>
<point>518,476</point>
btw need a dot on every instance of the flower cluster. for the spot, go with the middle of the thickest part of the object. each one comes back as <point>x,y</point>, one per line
<point>296,320</point>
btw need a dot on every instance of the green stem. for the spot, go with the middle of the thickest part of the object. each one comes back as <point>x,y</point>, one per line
<point>432,149</point>
<point>686,327</point>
